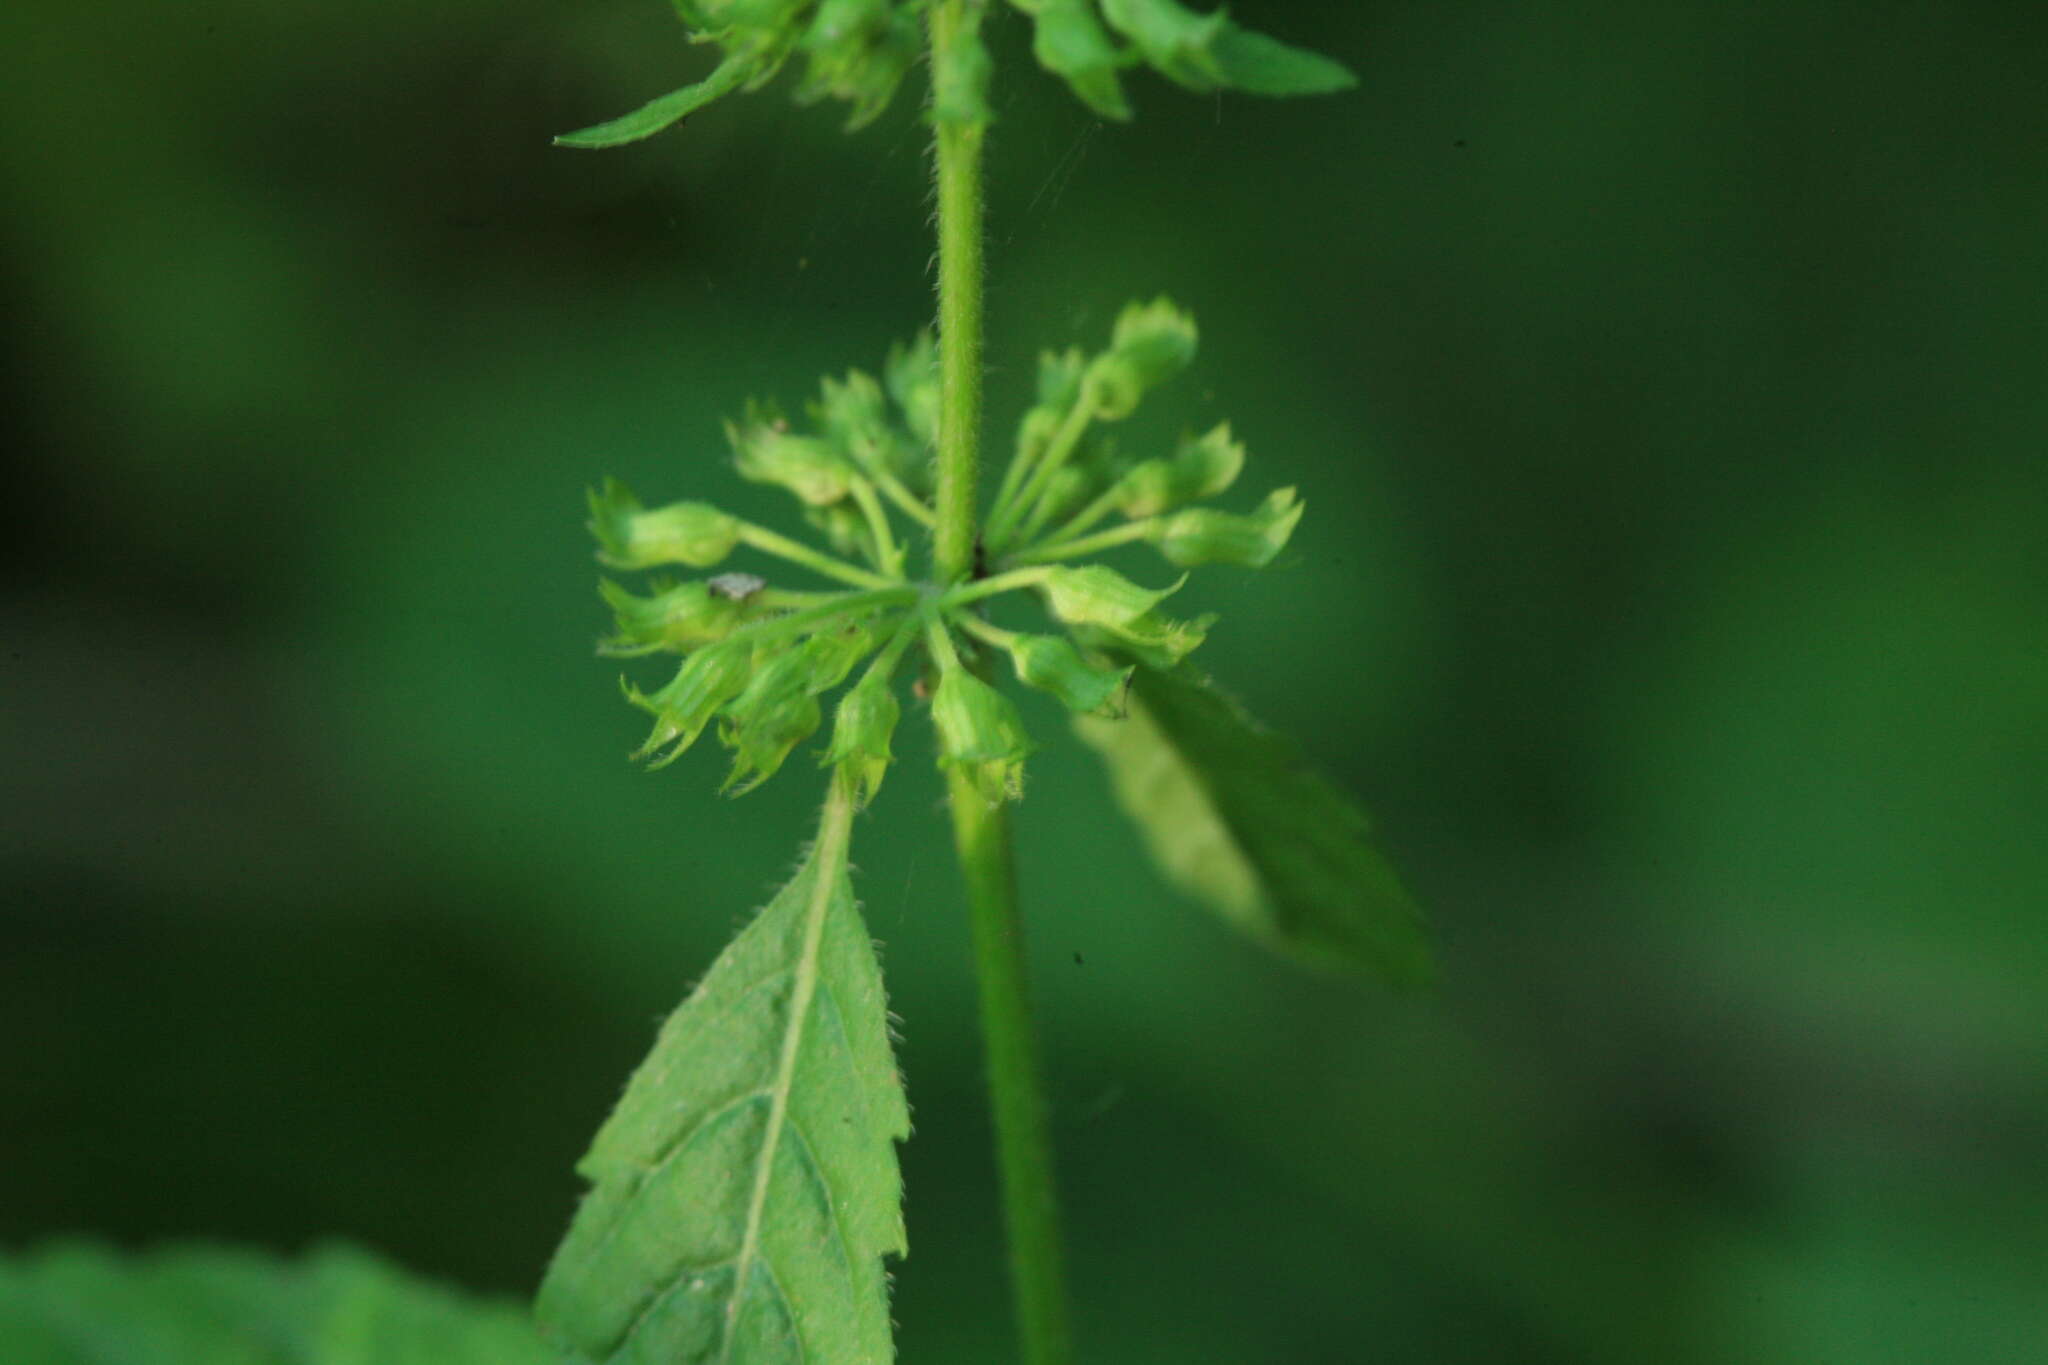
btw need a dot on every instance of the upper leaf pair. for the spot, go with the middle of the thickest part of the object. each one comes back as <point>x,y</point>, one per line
<point>860,50</point>
<point>1200,52</point>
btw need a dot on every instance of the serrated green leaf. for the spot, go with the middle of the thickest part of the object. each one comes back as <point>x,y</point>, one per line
<point>655,115</point>
<point>82,1304</point>
<point>746,1188</point>
<point>1235,818</point>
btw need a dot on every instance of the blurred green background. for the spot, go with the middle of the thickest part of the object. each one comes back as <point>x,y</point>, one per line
<point>1667,386</point>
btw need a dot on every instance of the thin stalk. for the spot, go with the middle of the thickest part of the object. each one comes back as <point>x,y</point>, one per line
<point>1069,435</point>
<point>990,587</point>
<point>988,630</point>
<point>831,609</point>
<point>1095,511</point>
<point>981,832</point>
<point>910,504</point>
<point>888,558</point>
<point>1086,545</point>
<point>817,561</point>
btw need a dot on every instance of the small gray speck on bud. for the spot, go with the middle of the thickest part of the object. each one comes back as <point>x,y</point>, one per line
<point>736,587</point>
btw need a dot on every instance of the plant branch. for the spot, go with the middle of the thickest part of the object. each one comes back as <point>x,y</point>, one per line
<point>817,561</point>
<point>1086,545</point>
<point>958,175</point>
<point>1057,450</point>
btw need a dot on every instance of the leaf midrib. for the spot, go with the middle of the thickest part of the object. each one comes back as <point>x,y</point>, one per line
<point>828,860</point>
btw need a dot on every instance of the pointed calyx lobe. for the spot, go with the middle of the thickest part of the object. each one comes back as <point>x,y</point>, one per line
<point>746,1188</point>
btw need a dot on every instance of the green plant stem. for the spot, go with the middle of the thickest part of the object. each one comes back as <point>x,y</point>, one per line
<point>990,587</point>
<point>1087,545</point>
<point>981,832</point>
<point>911,505</point>
<point>888,558</point>
<point>1086,517</point>
<point>1069,435</point>
<point>958,173</point>
<point>817,561</point>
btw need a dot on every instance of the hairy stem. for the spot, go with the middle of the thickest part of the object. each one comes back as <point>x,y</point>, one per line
<point>958,156</point>
<point>981,832</point>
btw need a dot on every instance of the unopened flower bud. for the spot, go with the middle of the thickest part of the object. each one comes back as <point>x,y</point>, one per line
<point>859,51</point>
<point>1106,604</point>
<point>677,619</point>
<point>846,530</point>
<point>831,654</point>
<point>1200,535</point>
<point>1051,663</point>
<point>1201,467</point>
<point>1093,595</point>
<point>981,734</point>
<point>912,376</point>
<point>861,729</point>
<point>1059,377</point>
<point>1151,344</point>
<point>707,680</point>
<point>1069,41</point>
<point>766,451</point>
<point>630,536</point>
<point>854,415</point>
<point>774,713</point>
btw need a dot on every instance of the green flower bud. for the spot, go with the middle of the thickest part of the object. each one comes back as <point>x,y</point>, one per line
<point>1035,432</point>
<point>859,51</point>
<point>1059,378</point>
<point>1178,42</point>
<point>854,415</point>
<point>1069,42</point>
<point>980,733</point>
<point>762,26</point>
<point>831,654</point>
<point>630,536</point>
<point>846,530</point>
<point>1201,468</point>
<point>1151,344</point>
<point>1050,663</point>
<point>1092,595</point>
<point>775,712</point>
<point>861,730</point>
<point>1070,486</point>
<point>1201,535</point>
<point>912,376</point>
<point>1112,608</point>
<point>678,619</point>
<point>707,680</point>
<point>762,743</point>
<point>766,451</point>
<point>853,412</point>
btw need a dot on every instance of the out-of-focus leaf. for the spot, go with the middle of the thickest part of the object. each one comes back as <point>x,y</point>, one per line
<point>1259,65</point>
<point>1205,52</point>
<point>1069,41</point>
<point>746,1188</point>
<point>655,115</point>
<point>1235,818</point>
<point>80,1304</point>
